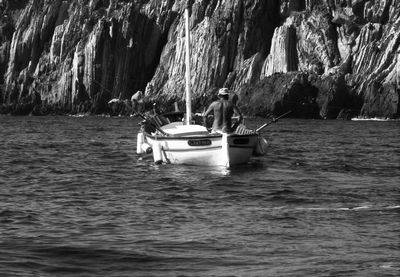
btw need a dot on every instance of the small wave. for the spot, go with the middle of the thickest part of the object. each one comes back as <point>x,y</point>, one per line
<point>282,218</point>
<point>371,207</point>
<point>390,266</point>
<point>125,137</point>
<point>79,115</point>
<point>169,188</point>
<point>95,254</point>
<point>7,213</point>
<point>97,143</point>
<point>52,145</point>
<point>373,119</point>
<point>282,192</point>
<point>20,162</point>
<point>120,156</point>
<point>8,216</point>
<point>393,207</point>
<point>81,260</point>
<point>99,129</point>
<point>355,208</point>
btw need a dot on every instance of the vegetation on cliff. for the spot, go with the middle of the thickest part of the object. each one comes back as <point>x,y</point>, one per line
<point>321,59</point>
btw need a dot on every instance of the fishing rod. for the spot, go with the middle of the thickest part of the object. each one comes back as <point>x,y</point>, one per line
<point>153,124</point>
<point>274,120</point>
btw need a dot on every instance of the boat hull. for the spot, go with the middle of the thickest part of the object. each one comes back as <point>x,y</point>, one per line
<point>207,150</point>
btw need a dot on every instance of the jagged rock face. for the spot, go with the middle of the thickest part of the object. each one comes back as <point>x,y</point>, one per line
<point>376,58</point>
<point>356,42</point>
<point>77,55</point>
<point>324,56</point>
<point>224,36</point>
<point>281,93</point>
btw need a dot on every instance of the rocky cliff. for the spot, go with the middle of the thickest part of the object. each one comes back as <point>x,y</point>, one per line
<point>319,58</point>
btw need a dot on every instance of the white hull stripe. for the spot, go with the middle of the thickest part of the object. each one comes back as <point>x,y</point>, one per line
<point>192,149</point>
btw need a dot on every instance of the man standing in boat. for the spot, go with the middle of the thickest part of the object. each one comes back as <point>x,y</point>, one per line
<point>223,110</point>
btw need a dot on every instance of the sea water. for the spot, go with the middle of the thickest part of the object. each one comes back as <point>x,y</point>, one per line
<point>76,200</point>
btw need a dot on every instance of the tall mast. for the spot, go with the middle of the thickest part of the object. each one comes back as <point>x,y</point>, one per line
<point>188,92</point>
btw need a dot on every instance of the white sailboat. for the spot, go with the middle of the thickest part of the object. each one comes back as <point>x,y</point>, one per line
<point>187,143</point>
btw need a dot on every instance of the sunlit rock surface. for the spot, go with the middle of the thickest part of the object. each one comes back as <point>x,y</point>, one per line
<point>320,59</point>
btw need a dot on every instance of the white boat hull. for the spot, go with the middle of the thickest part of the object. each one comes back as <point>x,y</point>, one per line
<point>205,150</point>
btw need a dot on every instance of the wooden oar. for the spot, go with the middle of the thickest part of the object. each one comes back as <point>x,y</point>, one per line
<point>272,121</point>
<point>147,120</point>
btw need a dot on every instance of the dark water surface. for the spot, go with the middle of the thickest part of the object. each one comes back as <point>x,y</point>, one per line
<point>76,200</point>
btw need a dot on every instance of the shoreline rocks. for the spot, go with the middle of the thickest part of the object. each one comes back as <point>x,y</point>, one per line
<point>322,59</point>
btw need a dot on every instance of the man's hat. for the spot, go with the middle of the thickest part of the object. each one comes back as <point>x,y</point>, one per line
<point>223,91</point>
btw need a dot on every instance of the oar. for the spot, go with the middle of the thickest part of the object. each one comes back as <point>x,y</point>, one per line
<point>147,120</point>
<point>272,121</point>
